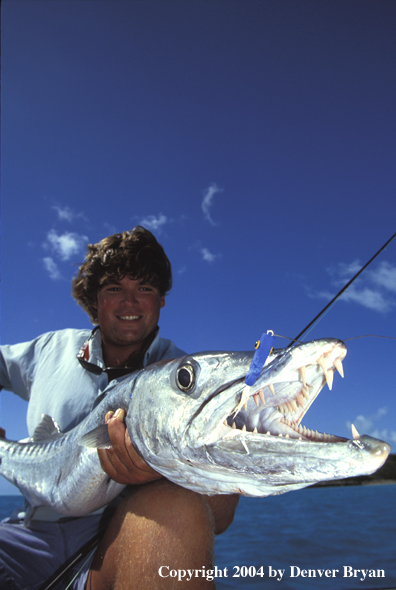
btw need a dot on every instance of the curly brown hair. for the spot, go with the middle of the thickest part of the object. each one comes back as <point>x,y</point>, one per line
<point>133,253</point>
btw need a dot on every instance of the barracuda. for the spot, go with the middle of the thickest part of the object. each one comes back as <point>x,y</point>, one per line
<point>195,422</point>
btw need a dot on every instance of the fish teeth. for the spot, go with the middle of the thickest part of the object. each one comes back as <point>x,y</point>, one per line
<point>339,367</point>
<point>261,395</point>
<point>328,374</point>
<point>300,399</point>
<point>256,399</point>
<point>303,373</point>
<point>355,433</point>
<point>271,388</point>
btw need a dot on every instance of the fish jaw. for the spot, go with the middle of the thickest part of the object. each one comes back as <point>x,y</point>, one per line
<point>263,465</point>
<point>289,383</point>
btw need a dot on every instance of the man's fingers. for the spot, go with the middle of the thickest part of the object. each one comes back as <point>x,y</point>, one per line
<point>122,462</point>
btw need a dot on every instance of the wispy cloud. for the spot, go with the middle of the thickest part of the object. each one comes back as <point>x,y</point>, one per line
<point>66,213</point>
<point>65,245</point>
<point>52,268</point>
<point>207,201</point>
<point>207,255</point>
<point>369,425</point>
<point>154,223</point>
<point>374,289</point>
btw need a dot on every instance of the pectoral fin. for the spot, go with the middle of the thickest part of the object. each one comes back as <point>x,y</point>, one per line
<point>97,438</point>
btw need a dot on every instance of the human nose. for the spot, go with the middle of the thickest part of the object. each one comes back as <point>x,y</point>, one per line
<point>130,298</point>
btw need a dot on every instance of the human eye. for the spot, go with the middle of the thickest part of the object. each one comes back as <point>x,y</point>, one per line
<point>112,288</point>
<point>146,288</point>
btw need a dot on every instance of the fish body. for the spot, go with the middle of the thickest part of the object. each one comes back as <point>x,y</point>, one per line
<point>195,421</point>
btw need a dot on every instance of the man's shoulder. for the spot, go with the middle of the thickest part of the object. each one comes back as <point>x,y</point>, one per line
<point>163,348</point>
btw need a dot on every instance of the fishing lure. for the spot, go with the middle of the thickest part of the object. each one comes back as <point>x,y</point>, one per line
<point>264,346</point>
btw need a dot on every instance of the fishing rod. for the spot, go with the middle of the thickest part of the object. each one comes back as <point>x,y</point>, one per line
<point>341,292</point>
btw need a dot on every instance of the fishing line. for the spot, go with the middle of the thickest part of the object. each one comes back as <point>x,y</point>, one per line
<point>343,339</point>
<point>331,303</point>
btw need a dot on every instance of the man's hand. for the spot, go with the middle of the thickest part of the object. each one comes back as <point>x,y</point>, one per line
<point>123,463</point>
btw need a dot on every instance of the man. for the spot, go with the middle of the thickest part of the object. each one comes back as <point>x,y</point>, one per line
<point>122,286</point>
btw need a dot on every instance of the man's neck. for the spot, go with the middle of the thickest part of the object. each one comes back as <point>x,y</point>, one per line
<point>118,356</point>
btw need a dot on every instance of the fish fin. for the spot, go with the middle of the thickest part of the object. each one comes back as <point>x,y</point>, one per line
<point>47,428</point>
<point>97,438</point>
<point>29,512</point>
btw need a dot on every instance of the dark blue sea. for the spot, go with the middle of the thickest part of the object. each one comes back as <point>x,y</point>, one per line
<point>301,534</point>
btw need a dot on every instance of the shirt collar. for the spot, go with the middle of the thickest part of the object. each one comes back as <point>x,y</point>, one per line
<point>90,355</point>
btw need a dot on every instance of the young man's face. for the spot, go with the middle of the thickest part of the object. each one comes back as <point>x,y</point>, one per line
<point>128,311</point>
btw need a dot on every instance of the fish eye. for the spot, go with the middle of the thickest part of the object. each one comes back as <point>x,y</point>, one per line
<point>185,378</point>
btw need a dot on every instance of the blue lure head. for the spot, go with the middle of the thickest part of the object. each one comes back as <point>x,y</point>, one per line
<point>263,349</point>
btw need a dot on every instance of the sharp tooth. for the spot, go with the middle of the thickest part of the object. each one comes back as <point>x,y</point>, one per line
<point>339,367</point>
<point>300,429</point>
<point>233,425</point>
<point>268,432</point>
<point>355,433</point>
<point>243,428</point>
<point>305,392</point>
<point>293,404</point>
<point>256,399</point>
<point>303,372</point>
<point>289,407</point>
<point>287,436</point>
<point>255,431</point>
<point>280,435</point>
<point>300,399</point>
<point>327,374</point>
<point>261,394</point>
<point>271,388</point>
<point>245,406</point>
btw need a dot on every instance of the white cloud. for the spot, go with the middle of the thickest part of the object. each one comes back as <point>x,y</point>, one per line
<point>368,298</point>
<point>154,223</point>
<point>208,256</point>
<point>67,214</point>
<point>207,201</point>
<point>373,289</point>
<point>385,276</point>
<point>52,268</point>
<point>65,245</point>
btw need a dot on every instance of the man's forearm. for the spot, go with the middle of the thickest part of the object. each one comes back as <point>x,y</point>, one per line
<point>223,509</point>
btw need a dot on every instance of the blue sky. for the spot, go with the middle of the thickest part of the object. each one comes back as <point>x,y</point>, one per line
<point>256,139</point>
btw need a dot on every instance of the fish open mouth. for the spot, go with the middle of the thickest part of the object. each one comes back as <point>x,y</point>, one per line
<point>276,407</point>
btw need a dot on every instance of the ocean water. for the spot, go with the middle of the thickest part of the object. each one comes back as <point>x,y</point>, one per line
<point>302,534</point>
<point>312,529</point>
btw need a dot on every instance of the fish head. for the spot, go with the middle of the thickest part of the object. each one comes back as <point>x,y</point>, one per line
<point>198,420</point>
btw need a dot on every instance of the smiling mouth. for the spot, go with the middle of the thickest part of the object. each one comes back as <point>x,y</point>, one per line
<point>129,318</point>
